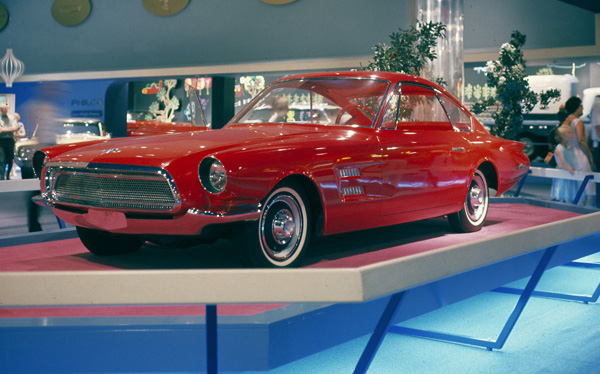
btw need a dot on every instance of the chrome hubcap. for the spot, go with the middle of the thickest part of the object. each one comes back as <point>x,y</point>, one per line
<point>477,200</point>
<point>283,227</point>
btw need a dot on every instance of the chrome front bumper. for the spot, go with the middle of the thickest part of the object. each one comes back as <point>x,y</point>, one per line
<point>191,223</point>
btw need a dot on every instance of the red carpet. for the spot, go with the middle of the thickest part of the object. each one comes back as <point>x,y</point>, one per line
<point>347,250</point>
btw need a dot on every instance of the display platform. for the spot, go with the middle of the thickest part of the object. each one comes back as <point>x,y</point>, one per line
<point>152,301</point>
<point>17,209</point>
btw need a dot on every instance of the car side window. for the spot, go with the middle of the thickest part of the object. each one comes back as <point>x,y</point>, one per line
<point>420,104</point>
<point>460,120</point>
<point>390,116</point>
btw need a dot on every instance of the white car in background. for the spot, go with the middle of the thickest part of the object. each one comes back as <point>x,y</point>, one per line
<point>69,130</point>
<point>590,95</point>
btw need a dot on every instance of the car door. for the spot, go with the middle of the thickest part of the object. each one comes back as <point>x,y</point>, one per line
<point>418,142</point>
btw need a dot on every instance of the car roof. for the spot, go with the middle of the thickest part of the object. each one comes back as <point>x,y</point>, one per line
<point>383,75</point>
<point>386,75</point>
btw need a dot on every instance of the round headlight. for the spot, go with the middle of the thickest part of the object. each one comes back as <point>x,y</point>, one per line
<point>213,175</point>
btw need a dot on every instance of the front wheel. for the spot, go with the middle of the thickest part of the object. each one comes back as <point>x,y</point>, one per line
<point>105,243</point>
<point>474,211</point>
<point>282,233</point>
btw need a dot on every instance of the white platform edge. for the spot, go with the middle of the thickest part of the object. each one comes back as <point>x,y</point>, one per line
<point>20,185</point>
<point>233,286</point>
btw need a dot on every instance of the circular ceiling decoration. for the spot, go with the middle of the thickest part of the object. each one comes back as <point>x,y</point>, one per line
<point>278,2</point>
<point>165,7</point>
<point>3,16</point>
<point>70,12</point>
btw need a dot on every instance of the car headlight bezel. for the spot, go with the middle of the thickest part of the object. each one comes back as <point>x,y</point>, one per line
<point>213,175</point>
<point>38,162</point>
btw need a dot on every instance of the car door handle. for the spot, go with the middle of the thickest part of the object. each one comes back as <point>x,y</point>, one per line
<point>458,149</point>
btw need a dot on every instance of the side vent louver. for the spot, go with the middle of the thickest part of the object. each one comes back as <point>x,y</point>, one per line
<point>349,191</point>
<point>347,173</point>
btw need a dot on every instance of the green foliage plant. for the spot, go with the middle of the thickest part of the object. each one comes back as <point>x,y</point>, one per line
<point>409,50</point>
<point>513,94</point>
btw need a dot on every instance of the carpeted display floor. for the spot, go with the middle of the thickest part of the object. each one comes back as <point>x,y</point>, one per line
<point>346,250</point>
<point>551,337</point>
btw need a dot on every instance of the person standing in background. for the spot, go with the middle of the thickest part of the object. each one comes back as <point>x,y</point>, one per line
<point>8,127</point>
<point>20,133</point>
<point>595,135</point>
<point>564,189</point>
<point>595,132</point>
<point>583,155</point>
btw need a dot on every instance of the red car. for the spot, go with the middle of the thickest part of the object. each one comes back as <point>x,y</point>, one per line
<point>314,154</point>
<point>154,127</point>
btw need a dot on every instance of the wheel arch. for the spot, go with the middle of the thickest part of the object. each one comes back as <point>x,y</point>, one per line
<point>490,173</point>
<point>313,194</point>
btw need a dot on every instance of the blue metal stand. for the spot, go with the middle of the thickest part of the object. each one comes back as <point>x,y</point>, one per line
<point>521,183</point>
<point>578,195</point>
<point>211,339</point>
<point>61,223</point>
<point>586,299</point>
<point>556,295</point>
<point>582,188</point>
<point>510,323</point>
<point>386,319</point>
<point>589,265</point>
<point>380,330</point>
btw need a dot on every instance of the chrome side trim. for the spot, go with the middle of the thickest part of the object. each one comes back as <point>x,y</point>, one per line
<point>248,216</point>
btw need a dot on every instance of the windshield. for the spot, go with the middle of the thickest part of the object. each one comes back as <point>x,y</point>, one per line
<point>68,128</point>
<point>327,101</point>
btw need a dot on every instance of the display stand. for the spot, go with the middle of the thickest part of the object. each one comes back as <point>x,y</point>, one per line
<point>411,284</point>
<point>385,323</point>
<point>583,177</point>
<point>586,299</point>
<point>211,339</point>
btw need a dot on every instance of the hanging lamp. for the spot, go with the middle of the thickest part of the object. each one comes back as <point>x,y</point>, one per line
<point>11,67</point>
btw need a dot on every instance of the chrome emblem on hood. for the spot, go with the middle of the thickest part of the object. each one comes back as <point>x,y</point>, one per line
<point>111,150</point>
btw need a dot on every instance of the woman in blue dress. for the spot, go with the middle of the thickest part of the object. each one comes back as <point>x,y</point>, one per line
<point>566,157</point>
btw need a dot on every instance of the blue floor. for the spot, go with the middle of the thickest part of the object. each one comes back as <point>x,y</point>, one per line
<point>552,336</point>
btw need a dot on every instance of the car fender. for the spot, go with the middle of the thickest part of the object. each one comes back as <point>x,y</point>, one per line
<point>56,150</point>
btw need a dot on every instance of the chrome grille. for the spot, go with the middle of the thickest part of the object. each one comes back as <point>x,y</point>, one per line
<point>115,189</point>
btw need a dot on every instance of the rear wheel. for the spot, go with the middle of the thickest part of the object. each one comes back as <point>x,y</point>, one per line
<point>474,211</point>
<point>281,235</point>
<point>105,243</point>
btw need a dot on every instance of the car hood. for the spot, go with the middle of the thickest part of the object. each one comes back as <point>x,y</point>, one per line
<point>161,150</point>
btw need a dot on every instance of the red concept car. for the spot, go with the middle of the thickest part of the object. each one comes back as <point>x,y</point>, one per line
<point>314,154</point>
